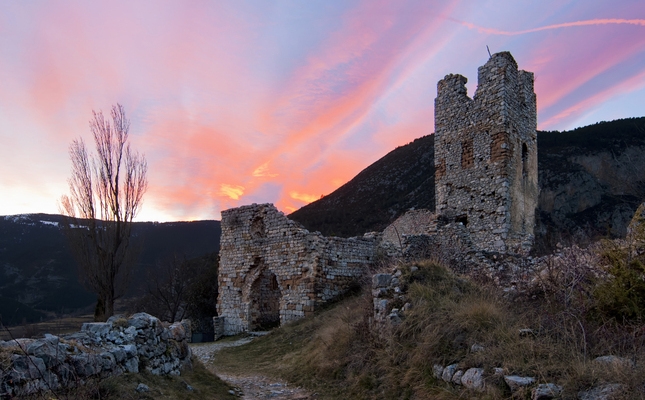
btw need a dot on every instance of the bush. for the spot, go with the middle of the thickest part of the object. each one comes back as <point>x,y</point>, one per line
<point>622,295</point>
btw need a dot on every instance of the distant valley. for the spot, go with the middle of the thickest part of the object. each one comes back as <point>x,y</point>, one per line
<point>38,275</point>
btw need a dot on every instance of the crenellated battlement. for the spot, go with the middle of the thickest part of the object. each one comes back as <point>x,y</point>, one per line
<point>486,154</point>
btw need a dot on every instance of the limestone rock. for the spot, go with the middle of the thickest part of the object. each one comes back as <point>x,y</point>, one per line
<point>546,391</point>
<point>456,378</point>
<point>473,379</point>
<point>381,280</point>
<point>613,361</point>
<point>475,348</point>
<point>26,367</point>
<point>448,372</point>
<point>437,371</point>
<point>49,350</point>
<point>142,388</point>
<point>394,317</point>
<point>177,331</point>
<point>96,328</point>
<point>188,329</point>
<point>515,382</point>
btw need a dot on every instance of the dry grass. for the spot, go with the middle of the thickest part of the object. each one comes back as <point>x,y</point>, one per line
<point>57,327</point>
<point>314,352</point>
<point>337,355</point>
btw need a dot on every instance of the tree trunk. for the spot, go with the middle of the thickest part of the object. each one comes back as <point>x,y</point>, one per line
<point>109,305</point>
<point>99,310</point>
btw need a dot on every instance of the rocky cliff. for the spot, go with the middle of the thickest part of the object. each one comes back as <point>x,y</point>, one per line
<point>592,179</point>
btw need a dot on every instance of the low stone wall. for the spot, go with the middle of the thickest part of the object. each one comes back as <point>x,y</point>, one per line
<point>99,350</point>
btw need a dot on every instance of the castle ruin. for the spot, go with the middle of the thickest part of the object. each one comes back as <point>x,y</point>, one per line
<point>273,271</point>
<point>486,155</point>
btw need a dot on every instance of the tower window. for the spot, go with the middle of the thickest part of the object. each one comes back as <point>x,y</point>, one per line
<point>467,157</point>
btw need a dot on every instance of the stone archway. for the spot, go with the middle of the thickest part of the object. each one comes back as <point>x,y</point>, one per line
<point>264,302</point>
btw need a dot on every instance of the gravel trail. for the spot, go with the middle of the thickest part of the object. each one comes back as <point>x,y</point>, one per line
<point>249,387</point>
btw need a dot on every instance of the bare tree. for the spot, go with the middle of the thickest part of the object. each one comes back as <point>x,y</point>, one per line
<point>106,192</point>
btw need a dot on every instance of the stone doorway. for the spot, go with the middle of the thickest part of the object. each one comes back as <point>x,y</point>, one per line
<point>264,307</point>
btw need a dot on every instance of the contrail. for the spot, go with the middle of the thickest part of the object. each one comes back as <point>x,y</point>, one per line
<point>610,21</point>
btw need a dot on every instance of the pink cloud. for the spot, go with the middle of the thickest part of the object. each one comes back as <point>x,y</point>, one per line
<point>228,112</point>
<point>592,22</point>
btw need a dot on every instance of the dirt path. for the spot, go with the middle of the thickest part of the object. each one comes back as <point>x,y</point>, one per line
<point>249,387</point>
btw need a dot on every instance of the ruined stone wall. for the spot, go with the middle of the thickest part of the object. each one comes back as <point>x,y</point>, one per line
<point>486,155</point>
<point>99,350</point>
<point>269,261</point>
<point>343,261</point>
<point>413,222</point>
<point>486,193</point>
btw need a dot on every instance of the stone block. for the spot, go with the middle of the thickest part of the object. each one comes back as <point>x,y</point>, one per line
<point>381,280</point>
<point>473,379</point>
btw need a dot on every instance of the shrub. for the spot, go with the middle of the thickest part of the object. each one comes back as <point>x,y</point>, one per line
<point>622,296</point>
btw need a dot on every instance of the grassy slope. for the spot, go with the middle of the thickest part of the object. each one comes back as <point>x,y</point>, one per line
<point>336,355</point>
<point>310,352</point>
<point>205,386</point>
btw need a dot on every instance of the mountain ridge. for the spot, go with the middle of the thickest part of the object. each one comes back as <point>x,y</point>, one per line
<point>591,180</point>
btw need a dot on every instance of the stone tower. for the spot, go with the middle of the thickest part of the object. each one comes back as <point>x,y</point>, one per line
<point>486,155</point>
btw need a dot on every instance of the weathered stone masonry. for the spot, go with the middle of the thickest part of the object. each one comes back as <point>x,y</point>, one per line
<point>273,271</point>
<point>99,350</point>
<point>486,155</point>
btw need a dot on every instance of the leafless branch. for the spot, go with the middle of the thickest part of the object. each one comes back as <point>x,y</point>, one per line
<point>106,193</point>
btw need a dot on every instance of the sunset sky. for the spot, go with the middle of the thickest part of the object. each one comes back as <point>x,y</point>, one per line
<point>238,102</point>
